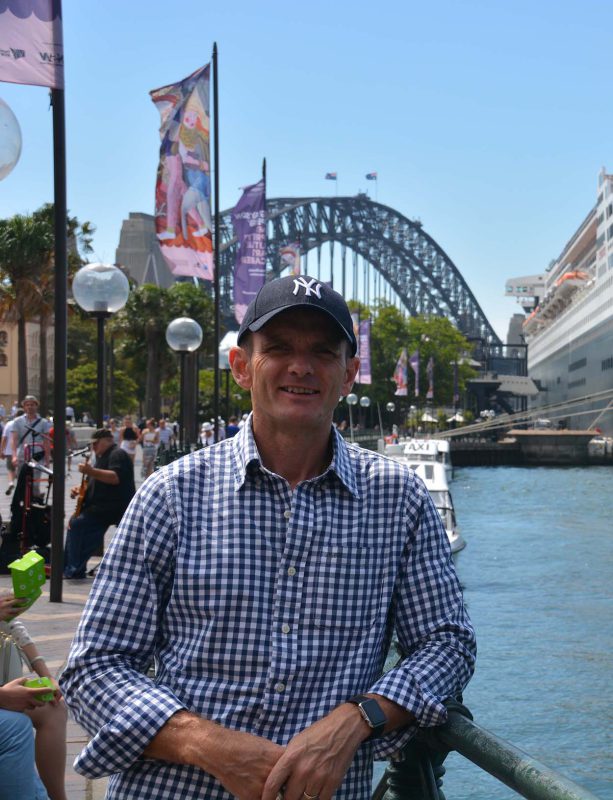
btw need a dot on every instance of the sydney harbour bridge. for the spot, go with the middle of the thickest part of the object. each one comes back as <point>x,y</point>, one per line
<point>399,260</point>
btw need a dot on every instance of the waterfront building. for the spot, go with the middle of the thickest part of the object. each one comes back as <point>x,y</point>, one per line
<point>569,321</point>
<point>139,252</point>
<point>9,377</point>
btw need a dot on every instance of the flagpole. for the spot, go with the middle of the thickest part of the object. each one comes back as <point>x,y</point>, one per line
<point>60,346</point>
<point>216,260</point>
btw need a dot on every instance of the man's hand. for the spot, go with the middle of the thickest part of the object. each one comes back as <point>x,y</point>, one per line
<point>14,696</point>
<point>246,763</point>
<point>85,469</point>
<point>241,762</point>
<point>316,760</point>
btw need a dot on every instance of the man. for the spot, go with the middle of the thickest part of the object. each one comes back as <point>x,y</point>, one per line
<point>265,576</point>
<point>6,447</point>
<point>165,434</point>
<point>110,487</point>
<point>30,430</point>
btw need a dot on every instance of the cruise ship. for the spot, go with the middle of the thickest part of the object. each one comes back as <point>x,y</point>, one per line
<point>568,327</point>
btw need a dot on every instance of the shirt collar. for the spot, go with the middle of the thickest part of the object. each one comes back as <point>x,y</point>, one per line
<point>246,453</point>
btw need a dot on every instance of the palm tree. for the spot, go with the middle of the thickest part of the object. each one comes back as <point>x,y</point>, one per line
<point>25,251</point>
<point>27,264</point>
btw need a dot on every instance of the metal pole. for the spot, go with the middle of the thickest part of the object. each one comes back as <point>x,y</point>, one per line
<point>60,346</point>
<point>351,423</point>
<point>217,242</point>
<point>182,356</point>
<point>101,372</point>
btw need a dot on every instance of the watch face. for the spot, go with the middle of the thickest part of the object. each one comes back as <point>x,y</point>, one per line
<point>373,714</point>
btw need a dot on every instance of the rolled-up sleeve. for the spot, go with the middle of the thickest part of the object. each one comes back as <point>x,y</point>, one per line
<point>104,682</point>
<point>433,630</point>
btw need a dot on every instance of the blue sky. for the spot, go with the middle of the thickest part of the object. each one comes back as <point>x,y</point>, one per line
<point>487,120</point>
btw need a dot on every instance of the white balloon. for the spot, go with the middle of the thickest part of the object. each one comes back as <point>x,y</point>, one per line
<point>10,140</point>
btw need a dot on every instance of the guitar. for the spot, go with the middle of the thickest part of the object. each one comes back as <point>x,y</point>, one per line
<point>82,490</point>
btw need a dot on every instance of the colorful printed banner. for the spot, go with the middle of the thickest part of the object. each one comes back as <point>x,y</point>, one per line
<point>31,48</point>
<point>414,362</point>
<point>183,190</point>
<point>401,376</point>
<point>249,221</point>
<point>430,374</point>
<point>290,257</point>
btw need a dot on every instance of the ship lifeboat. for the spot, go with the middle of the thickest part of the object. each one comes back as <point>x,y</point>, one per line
<point>531,323</point>
<point>567,284</point>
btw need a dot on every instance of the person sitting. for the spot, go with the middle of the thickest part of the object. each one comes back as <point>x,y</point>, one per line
<point>18,702</point>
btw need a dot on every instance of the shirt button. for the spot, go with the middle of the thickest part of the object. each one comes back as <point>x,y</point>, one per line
<point>279,687</point>
<point>285,628</point>
<point>287,514</point>
<point>291,571</point>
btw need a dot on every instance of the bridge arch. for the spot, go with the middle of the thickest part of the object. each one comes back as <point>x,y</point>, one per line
<point>419,271</point>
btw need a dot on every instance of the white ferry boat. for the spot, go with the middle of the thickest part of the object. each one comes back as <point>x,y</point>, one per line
<point>569,322</point>
<point>422,450</point>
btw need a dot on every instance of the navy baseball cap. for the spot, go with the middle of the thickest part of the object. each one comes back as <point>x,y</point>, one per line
<point>285,294</point>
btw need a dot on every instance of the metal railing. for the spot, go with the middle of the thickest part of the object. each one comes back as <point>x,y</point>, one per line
<point>418,776</point>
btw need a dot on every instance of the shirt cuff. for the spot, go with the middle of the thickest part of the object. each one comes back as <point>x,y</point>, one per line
<point>404,690</point>
<point>120,742</point>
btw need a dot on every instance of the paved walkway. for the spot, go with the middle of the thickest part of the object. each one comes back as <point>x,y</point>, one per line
<point>52,626</point>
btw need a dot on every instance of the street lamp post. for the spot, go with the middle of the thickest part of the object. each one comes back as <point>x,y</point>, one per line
<point>101,290</point>
<point>364,403</point>
<point>184,336</point>
<point>352,400</point>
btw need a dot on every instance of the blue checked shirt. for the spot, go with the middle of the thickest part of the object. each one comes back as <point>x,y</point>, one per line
<point>264,608</point>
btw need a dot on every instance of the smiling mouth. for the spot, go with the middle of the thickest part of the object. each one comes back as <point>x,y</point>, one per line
<point>299,390</point>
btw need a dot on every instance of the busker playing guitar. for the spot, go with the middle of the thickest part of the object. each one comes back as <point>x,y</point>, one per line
<point>105,492</point>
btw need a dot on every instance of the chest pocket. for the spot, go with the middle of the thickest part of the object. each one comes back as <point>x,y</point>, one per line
<point>345,588</point>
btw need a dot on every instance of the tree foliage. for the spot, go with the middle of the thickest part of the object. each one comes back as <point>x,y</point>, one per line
<point>82,389</point>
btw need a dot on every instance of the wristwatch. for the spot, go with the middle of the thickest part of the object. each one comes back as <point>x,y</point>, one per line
<point>372,714</point>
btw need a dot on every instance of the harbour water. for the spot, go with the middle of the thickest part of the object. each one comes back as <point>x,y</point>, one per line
<point>538,579</point>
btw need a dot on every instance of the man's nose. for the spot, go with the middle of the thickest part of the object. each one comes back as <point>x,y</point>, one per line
<point>301,363</point>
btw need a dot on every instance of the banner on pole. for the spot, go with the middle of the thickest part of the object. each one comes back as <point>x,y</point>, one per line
<point>401,376</point>
<point>31,47</point>
<point>183,189</point>
<point>290,257</point>
<point>249,221</point>
<point>430,374</point>
<point>414,362</point>
<point>363,336</point>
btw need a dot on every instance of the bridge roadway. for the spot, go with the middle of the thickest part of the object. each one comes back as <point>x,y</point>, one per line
<point>52,626</point>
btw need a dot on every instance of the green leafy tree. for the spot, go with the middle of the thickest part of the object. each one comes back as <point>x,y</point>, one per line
<point>82,389</point>
<point>141,327</point>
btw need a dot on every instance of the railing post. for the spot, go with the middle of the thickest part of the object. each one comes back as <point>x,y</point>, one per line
<point>418,776</point>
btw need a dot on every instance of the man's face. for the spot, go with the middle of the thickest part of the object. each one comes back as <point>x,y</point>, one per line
<point>30,407</point>
<point>296,367</point>
<point>100,446</point>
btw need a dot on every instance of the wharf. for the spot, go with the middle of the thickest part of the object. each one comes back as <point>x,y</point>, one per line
<point>53,625</point>
<point>527,448</point>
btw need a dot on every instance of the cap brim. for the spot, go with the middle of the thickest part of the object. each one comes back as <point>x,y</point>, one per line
<point>259,323</point>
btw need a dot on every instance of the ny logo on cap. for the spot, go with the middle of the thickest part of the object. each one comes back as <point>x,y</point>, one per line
<point>308,287</point>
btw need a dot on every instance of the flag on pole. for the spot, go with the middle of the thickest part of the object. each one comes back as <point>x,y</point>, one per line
<point>365,372</point>
<point>371,176</point>
<point>430,374</point>
<point>183,190</point>
<point>31,49</point>
<point>331,176</point>
<point>414,362</point>
<point>401,377</point>
<point>290,257</point>
<point>249,221</point>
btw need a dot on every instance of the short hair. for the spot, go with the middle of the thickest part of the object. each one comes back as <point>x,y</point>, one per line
<point>101,433</point>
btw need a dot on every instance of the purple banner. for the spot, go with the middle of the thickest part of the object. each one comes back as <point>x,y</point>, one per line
<point>31,50</point>
<point>414,362</point>
<point>249,221</point>
<point>365,374</point>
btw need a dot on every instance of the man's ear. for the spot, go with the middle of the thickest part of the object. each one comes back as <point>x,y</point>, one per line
<point>240,366</point>
<point>351,370</point>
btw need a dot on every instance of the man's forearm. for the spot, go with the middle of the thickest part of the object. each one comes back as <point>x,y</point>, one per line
<point>104,475</point>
